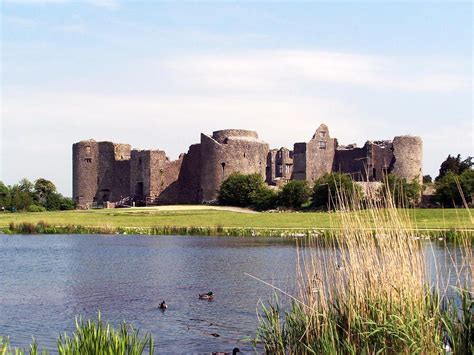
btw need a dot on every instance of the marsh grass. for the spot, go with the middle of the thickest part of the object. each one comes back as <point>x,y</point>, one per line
<point>92,337</point>
<point>367,291</point>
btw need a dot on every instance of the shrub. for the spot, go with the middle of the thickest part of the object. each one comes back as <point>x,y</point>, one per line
<point>402,192</point>
<point>294,194</point>
<point>237,189</point>
<point>67,204</point>
<point>36,208</point>
<point>263,198</point>
<point>327,189</point>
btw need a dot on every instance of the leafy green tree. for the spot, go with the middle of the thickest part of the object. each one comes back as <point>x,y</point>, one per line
<point>294,194</point>
<point>328,187</point>
<point>236,190</point>
<point>21,195</point>
<point>43,189</point>
<point>452,187</point>
<point>403,193</point>
<point>4,196</point>
<point>263,198</point>
<point>455,165</point>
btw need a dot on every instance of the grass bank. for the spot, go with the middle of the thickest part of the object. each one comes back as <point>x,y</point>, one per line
<point>214,222</point>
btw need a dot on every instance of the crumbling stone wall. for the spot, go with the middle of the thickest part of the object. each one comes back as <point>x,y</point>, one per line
<point>113,181</point>
<point>227,152</point>
<point>279,166</point>
<point>315,158</point>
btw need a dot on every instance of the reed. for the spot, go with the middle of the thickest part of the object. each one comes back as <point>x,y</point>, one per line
<point>367,291</point>
<point>92,337</point>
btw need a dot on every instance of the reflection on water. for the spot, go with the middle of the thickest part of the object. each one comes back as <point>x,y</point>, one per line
<point>45,281</point>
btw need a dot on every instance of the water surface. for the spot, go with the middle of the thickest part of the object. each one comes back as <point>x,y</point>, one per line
<point>46,281</point>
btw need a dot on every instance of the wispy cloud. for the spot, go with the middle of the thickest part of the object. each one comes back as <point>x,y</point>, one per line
<point>273,68</point>
<point>109,4</point>
<point>11,20</point>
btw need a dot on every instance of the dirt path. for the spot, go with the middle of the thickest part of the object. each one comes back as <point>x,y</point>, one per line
<point>193,207</point>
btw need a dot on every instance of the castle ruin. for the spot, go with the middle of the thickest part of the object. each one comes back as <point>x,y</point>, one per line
<point>105,172</point>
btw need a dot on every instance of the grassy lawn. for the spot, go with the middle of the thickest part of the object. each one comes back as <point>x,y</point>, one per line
<point>136,217</point>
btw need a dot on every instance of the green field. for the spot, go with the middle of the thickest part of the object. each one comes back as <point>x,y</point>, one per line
<point>182,217</point>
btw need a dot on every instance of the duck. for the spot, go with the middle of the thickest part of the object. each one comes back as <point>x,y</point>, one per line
<point>163,305</point>
<point>235,351</point>
<point>206,296</point>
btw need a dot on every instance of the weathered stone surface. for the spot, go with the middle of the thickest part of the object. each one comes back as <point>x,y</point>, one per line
<point>108,172</point>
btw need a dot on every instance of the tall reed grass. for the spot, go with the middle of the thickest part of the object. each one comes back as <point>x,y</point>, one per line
<point>92,337</point>
<point>367,291</point>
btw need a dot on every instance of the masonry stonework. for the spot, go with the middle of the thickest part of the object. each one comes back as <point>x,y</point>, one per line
<point>105,172</point>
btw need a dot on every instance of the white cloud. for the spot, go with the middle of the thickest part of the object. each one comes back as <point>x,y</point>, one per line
<point>273,68</point>
<point>109,4</point>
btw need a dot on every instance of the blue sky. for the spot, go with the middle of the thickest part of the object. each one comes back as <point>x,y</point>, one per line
<point>156,74</point>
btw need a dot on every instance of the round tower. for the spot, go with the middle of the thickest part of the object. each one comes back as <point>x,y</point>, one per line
<point>408,157</point>
<point>85,158</point>
<point>230,151</point>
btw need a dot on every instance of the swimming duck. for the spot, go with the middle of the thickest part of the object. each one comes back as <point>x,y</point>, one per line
<point>235,351</point>
<point>163,305</point>
<point>206,296</point>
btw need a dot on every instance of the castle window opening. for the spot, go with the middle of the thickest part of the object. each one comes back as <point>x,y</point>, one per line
<point>322,134</point>
<point>88,160</point>
<point>322,145</point>
<point>223,169</point>
<point>280,169</point>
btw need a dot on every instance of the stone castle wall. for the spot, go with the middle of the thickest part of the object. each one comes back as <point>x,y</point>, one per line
<point>227,152</point>
<point>106,171</point>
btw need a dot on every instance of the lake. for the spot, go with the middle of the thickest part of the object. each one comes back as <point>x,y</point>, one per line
<point>47,280</point>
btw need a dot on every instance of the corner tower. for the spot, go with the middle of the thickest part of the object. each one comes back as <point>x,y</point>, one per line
<point>407,157</point>
<point>85,172</point>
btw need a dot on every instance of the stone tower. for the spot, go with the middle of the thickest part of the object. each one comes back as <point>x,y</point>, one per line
<point>226,152</point>
<point>408,156</point>
<point>85,170</point>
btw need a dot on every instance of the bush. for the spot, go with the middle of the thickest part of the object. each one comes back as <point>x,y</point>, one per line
<point>448,192</point>
<point>237,189</point>
<point>327,188</point>
<point>294,194</point>
<point>36,208</point>
<point>263,199</point>
<point>67,204</point>
<point>402,192</point>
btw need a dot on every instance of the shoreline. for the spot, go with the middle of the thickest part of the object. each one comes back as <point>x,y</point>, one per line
<point>41,227</point>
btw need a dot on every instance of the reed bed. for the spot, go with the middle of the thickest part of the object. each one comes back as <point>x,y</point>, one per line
<point>92,337</point>
<point>367,291</point>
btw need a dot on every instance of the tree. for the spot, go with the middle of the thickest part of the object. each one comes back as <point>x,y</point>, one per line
<point>294,194</point>
<point>427,179</point>
<point>236,190</point>
<point>4,196</point>
<point>455,165</point>
<point>43,190</point>
<point>402,192</point>
<point>330,187</point>
<point>451,188</point>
